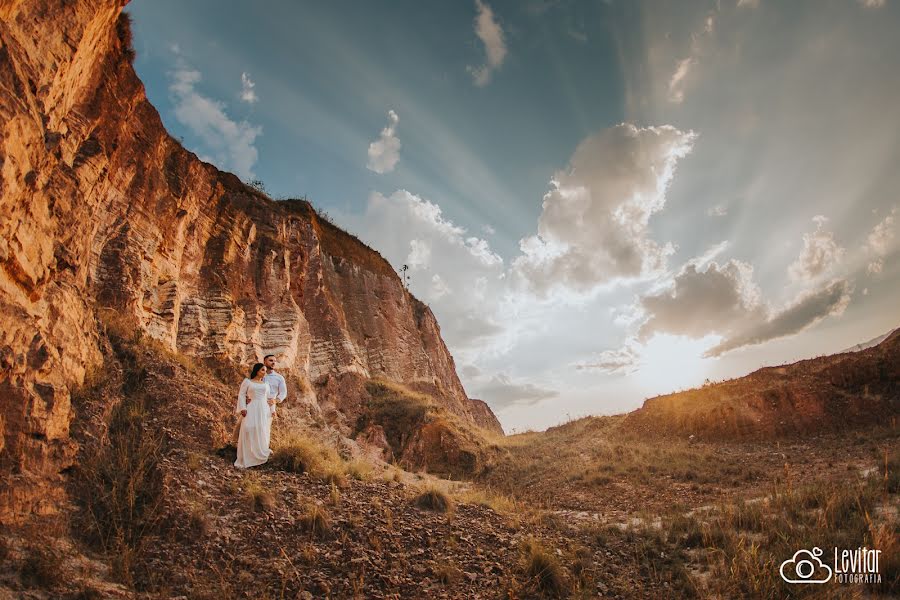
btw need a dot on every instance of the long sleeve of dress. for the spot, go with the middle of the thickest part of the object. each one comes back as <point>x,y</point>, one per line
<point>242,396</point>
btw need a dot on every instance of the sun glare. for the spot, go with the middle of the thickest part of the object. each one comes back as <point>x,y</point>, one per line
<point>670,363</point>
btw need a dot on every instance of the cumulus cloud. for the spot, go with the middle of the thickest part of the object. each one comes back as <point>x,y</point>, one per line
<point>872,3</point>
<point>699,302</point>
<point>455,272</point>
<point>384,153</point>
<point>594,225</point>
<point>807,310</point>
<point>880,241</point>
<point>229,143</point>
<point>725,301</point>
<point>502,391</point>
<point>883,234</point>
<point>248,94</point>
<point>491,35</point>
<point>820,252</point>
<point>626,359</point>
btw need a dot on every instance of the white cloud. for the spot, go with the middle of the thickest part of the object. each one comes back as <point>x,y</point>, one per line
<point>726,302</point>
<point>491,35</point>
<point>502,391</point>
<point>384,153</point>
<point>875,267</point>
<point>248,94</point>
<point>458,274</point>
<point>676,83</point>
<point>626,359</point>
<point>820,252</point>
<point>807,310</point>
<point>882,236</point>
<point>748,3</point>
<point>872,3</point>
<point>719,210</point>
<point>594,225</point>
<point>716,299</point>
<point>230,143</point>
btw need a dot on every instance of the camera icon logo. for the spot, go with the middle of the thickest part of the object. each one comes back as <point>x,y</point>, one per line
<point>806,567</point>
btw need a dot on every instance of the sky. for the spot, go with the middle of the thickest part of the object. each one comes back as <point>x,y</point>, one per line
<point>601,201</point>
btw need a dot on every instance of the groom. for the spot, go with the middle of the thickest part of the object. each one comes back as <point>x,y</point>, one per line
<point>277,386</point>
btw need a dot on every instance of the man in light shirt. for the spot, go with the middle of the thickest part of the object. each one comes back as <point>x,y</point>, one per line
<point>277,386</point>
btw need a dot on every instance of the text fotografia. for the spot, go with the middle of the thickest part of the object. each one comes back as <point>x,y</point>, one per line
<point>857,566</point>
<point>850,566</point>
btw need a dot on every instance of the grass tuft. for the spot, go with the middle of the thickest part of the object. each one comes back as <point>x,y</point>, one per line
<point>315,521</point>
<point>435,499</point>
<point>543,569</point>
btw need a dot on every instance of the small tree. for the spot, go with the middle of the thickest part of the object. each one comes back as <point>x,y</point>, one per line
<point>404,275</point>
<point>258,185</point>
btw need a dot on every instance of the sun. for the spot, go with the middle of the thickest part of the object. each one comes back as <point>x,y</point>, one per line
<point>670,363</point>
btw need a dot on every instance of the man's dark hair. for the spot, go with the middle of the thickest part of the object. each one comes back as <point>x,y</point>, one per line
<point>267,356</point>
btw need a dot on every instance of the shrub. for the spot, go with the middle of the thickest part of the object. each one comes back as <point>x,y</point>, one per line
<point>315,521</point>
<point>257,495</point>
<point>434,499</point>
<point>43,568</point>
<point>296,453</point>
<point>543,568</point>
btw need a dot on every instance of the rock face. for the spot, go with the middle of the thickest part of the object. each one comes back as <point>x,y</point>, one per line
<point>833,393</point>
<point>102,212</point>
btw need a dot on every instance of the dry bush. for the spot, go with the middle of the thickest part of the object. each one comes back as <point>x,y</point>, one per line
<point>315,521</point>
<point>43,567</point>
<point>257,495</point>
<point>119,482</point>
<point>543,569</point>
<point>360,470</point>
<point>447,573</point>
<point>435,499</point>
<point>297,453</point>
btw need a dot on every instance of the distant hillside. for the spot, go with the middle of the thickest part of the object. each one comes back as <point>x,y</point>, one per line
<point>871,343</point>
<point>822,394</point>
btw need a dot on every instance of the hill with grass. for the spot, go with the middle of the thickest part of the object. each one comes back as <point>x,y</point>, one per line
<point>829,393</point>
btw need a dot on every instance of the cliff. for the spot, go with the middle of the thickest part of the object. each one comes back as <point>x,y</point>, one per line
<point>102,212</point>
<point>829,393</point>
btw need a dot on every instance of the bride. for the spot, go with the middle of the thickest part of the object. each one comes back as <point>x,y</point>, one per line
<point>256,426</point>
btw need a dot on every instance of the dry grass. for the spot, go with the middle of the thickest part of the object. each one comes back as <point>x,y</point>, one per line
<point>448,573</point>
<point>257,494</point>
<point>485,496</point>
<point>43,567</point>
<point>397,409</point>
<point>743,543</point>
<point>120,484</point>
<point>315,521</point>
<point>433,498</point>
<point>297,453</point>
<point>543,569</point>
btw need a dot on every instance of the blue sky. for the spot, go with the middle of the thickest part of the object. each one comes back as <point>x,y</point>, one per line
<point>601,201</point>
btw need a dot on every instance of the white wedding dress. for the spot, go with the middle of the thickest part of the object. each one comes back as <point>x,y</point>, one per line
<point>256,427</point>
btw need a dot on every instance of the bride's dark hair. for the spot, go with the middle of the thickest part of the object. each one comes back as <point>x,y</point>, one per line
<point>255,370</point>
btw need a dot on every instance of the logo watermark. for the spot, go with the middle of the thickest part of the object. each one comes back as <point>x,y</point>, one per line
<point>850,566</point>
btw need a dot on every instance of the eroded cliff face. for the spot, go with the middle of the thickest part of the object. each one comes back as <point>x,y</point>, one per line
<point>101,210</point>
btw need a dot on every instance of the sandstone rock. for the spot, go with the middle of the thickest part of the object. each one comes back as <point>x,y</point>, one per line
<point>102,212</point>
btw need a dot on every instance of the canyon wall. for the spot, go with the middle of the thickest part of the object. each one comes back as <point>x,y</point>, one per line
<point>103,213</point>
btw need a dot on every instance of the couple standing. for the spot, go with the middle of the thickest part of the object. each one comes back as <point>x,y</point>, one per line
<point>255,408</point>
